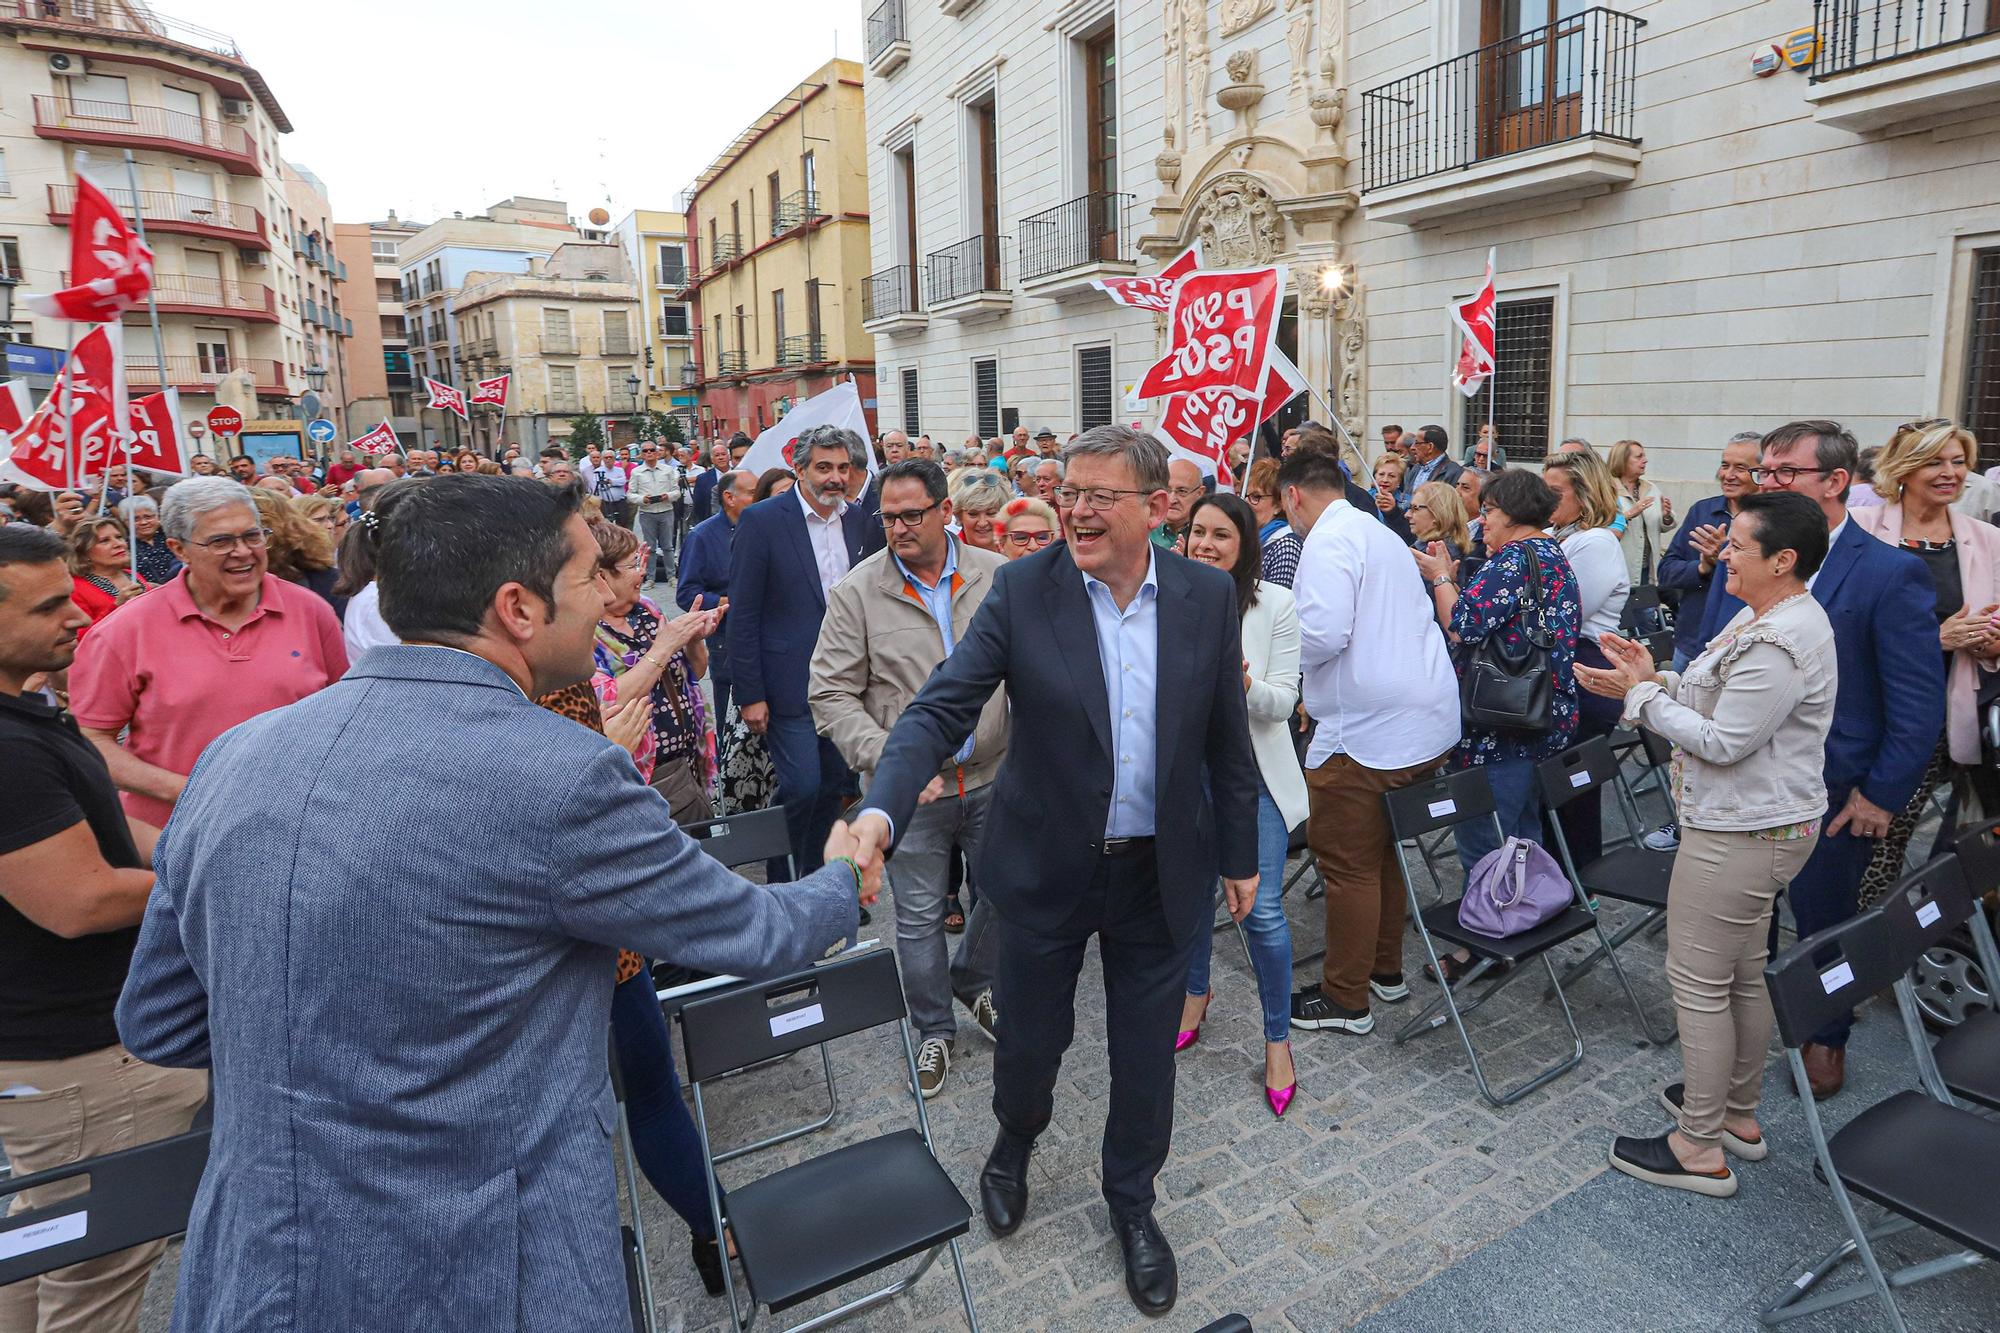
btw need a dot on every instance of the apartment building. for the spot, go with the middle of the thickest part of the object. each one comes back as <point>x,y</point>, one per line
<point>778,225</point>
<point>86,83</point>
<point>656,247</point>
<point>324,329</point>
<point>371,291</point>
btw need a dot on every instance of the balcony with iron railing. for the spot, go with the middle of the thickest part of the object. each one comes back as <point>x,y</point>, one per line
<point>802,349</point>
<point>556,343</point>
<point>482,347</point>
<point>964,281</point>
<point>795,210</point>
<point>1881,63</point>
<point>309,310</point>
<point>1066,248</point>
<point>130,20</point>
<point>201,374</point>
<point>672,277</point>
<point>196,294</point>
<point>431,285</point>
<point>732,363</point>
<point>116,124</point>
<point>186,214</point>
<point>889,302</point>
<point>1545,113</point>
<point>887,38</point>
<point>726,249</point>
<point>307,244</point>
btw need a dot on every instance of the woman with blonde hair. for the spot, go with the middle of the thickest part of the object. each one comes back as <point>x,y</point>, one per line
<point>1919,475</point>
<point>977,496</point>
<point>300,551</point>
<point>1645,508</point>
<point>1436,515</point>
<point>1027,525</point>
<point>326,511</point>
<point>98,559</point>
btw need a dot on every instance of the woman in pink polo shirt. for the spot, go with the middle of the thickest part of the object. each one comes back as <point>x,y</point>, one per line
<point>218,644</point>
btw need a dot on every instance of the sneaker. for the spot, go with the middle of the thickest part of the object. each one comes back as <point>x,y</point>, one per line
<point>984,1015</point>
<point>1312,1011</point>
<point>1389,988</point>
<point>933,1063</point>
<point>1665,838</point>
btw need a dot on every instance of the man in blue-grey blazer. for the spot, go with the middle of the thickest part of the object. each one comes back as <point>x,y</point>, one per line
<point>407,1024</point>
<point>789,550</point>
<point>1889,711</point>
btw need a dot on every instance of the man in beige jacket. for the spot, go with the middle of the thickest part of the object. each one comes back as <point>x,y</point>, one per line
<point>889,624</point>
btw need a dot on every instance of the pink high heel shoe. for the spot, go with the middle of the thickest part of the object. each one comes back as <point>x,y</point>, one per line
<point>1189,1036</point>
<point>1280,1099</point>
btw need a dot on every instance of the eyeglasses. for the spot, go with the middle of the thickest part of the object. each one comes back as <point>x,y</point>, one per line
<point>1254,496</point>
<point>1784,475</point>
<point>1097,497</point>
<point>252,540</point>
<point>908,518</point>
<point>634,565</point>
<point>1418,509</point>
<point>1186,492</point>
<point>1026,539</point>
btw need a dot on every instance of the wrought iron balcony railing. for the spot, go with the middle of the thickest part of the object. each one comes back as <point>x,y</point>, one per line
<point>795,210</point>
<point>886,28</point>
<point>732,363</point>
<point>802,349</point>
<point>966,269</point>
<point>672,276</point>
<point>1573,79</point>
<point>84,121</point>
<point>727,249</point>
<point>168,211</point>
<point>1854,34</point>
<point>135,19</point>
<point>202,373</point>
<point>893,291</point>
<point>1089,229</point>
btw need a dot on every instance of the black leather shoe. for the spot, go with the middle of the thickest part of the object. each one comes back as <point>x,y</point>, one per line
<point>1151,1276</point>
<point>708,1263</point>
<point>1003,1185</point>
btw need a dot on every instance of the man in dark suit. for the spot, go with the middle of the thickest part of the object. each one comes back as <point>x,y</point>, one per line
<point>1889,711</point>
<point>1430,460</point>
<point>703,583</point>
<point>789,550</point>
<point>1124,665</point>
<point>702,505</point>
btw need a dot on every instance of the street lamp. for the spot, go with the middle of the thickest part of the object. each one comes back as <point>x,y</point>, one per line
<point>632,387</point>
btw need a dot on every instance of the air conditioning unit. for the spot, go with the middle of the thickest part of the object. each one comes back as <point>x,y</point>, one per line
<point>63,65</point>
<point>250,258</point>
<point>235,108</point>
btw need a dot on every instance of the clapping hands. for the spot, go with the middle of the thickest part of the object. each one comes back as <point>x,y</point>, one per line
<point>1631,665</point>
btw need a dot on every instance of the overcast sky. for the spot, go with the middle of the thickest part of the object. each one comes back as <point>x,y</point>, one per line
<point>429,107</point>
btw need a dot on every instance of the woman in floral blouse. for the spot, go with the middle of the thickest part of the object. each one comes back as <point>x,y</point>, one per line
<point>1516,506</point>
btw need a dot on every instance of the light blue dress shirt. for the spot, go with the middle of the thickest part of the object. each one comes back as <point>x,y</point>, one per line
<point>1416,475</point>
<point>937,601</point>
<point>1128,647</point>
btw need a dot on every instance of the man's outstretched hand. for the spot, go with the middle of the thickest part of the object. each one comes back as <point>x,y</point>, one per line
<point>844,840</point>
<point>870,832</point>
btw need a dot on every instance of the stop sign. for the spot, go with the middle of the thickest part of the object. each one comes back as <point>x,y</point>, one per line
<point>225,421</point>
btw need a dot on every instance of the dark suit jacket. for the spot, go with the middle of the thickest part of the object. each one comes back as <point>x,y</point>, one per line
<point>1680,570</point>
<point>704,579</point>
<point>1398,521</point>
<point>873,538</point>
<point>1889,711</point>
<point>1034,634</point>
<point>775,601</point>
<point>703,503</point>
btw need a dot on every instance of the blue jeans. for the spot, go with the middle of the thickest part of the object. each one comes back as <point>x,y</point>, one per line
<point>663,1133</point>
<point>1516,801</point>
<point>810,776</point>
<point>1269,933</point>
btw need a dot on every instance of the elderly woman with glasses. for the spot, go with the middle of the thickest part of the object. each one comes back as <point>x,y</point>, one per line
<point>1027,525</point>
<point>222,642</point>
<point>142,517</point>
<point>977,497</point>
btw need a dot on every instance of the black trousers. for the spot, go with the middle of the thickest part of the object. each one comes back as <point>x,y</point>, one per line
<point>1145,977</point>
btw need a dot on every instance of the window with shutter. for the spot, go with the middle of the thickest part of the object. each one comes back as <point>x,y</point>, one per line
<point>1981,411</point>
<point>1524,355</point>
<point>910,408</point>
<point>1093,385</point>
<point>986,397</point>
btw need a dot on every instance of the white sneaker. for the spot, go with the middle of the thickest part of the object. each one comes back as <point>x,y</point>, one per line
<point>1665,838</point>
<point>933,1063</point>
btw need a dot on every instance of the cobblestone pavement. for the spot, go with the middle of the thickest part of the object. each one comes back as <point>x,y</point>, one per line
<point>1388,1170</point>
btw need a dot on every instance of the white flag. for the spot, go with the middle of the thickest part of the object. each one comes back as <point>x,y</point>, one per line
<point>838,406</point>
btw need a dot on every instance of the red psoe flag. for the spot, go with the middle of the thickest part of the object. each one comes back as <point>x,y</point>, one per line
<point>157,442</point>
<point>446,397</point>
<point>1222,331</point>
<point>491,391</point>
<point>1200,427</point>
<point>1283,382</point>
<point>1157,292</point>
<point>110,270</point>
<point>69,438</point>
<point>381,440</point>
<point>1478,356</point>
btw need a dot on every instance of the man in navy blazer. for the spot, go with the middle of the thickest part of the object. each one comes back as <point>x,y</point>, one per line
<point>1889,710</point>
<point>703,581</point>
<point>789,550</point>
<point>413,1109</point>
<point>1129,788</point>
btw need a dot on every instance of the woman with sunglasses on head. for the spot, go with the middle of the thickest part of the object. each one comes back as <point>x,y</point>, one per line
<point>1027,525</point>
<point>1222,531</point>
<point>1920,475</point>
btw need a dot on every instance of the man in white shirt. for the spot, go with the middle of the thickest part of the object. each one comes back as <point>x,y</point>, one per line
<point>654,487</point>
<point>1379,684</point>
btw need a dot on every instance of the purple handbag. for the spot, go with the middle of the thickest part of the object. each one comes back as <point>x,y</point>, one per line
<point>1513,889</point>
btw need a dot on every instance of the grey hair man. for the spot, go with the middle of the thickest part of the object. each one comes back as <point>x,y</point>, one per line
<point>1048,476</point>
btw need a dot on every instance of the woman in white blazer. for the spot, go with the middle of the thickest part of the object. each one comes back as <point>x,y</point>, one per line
<point>1920,475</point>
<point>1222,531</point>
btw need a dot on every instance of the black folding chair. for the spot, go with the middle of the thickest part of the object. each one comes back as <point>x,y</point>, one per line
<point>1924,909</point>
<point>1444,803</point>
<point>138,1195</point>
<point>1913,1155</point>
<point>1634,874</point>
<point>809,1228</point>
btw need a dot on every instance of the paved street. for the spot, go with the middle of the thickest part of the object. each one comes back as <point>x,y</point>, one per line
<point>1390,1198</point>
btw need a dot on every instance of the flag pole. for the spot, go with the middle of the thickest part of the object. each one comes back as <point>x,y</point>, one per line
<point>159,359</point>
<point>65,382</point>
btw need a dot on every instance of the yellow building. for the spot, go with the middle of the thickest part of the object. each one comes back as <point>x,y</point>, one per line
<point>656,246</point>
<point>779,230</point>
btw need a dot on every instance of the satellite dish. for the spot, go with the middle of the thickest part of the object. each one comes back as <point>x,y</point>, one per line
<point>598,217</point>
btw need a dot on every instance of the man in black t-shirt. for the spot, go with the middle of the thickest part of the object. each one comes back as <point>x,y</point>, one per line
<point>73,885</point>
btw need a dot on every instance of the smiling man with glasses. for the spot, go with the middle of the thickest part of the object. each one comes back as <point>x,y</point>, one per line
<point>889,625</point>
<point>222,642</point>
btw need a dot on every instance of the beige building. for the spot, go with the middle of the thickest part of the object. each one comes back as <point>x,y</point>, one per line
<point>87,82</point>
<point>656,246</point>
<point>371,292</point>
<point>779,223</point>
<point>317,271</point>
<point>568,330</point>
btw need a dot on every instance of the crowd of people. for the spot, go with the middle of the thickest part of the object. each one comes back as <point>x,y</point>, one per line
<point>1044,691</point>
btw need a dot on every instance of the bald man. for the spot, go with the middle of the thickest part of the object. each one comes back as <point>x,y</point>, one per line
<point>1184,487</point>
